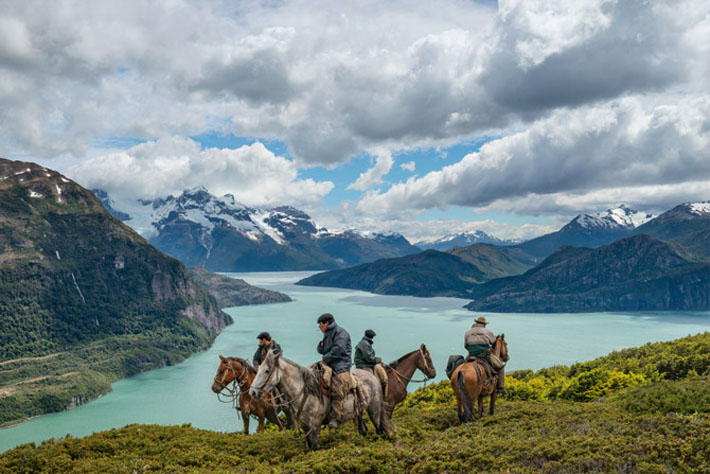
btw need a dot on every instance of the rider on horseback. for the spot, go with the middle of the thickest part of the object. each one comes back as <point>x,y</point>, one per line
<point>337,352</point>
<point>365,359</point>
<point>265,345</point>
<point>479,341</point>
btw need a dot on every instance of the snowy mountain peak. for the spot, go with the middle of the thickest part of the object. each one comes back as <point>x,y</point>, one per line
<point>622,217</point>
<point>461,239</point>
<point>701,208</point>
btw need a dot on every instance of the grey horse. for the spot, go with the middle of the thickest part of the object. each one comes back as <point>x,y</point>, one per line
<point>302,388</point>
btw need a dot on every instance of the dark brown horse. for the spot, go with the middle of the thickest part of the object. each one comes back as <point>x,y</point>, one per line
<point>399,374</point>
<point>238,372</point>
<point>472,383</point>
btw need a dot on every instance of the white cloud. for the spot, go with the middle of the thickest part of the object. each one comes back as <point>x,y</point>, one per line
<point>252,173</point>
<point>374,175</point>
<point>662,140</point>
<point>409,166</point>
<point>395,74</point>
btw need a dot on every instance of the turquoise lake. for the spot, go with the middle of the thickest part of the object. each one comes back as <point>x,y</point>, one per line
<point>181,394</point>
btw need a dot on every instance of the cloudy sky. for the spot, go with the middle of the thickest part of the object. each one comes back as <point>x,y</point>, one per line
<point>421,117</point>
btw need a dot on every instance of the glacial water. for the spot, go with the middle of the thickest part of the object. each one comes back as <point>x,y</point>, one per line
<point>181,394</point>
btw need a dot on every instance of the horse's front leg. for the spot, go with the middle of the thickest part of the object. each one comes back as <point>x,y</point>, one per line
<point>480,405</point>
<point>494,396</point>
<point>245,419</point>
<point>260,427</point>
<point>313,438</point>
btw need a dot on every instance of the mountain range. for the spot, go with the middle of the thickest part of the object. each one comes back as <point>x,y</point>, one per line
<point>461,239</point>
<point>223,235</point>
<point>617,260</point>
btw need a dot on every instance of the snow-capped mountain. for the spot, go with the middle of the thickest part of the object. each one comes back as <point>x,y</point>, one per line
<point>588,230</point>
<point>222,234</point>
<point>461,239</point>
<point>620,218</point>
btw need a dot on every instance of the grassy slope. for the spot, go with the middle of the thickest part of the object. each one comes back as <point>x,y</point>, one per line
<point>659,426</point>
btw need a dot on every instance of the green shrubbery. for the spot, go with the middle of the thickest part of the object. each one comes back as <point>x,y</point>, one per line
<point>657,427</point>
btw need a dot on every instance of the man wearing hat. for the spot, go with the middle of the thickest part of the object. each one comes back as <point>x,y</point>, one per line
<point>365,359</point>
<point>480,339</point>
<point>265,345</point>
<point>337,352</point>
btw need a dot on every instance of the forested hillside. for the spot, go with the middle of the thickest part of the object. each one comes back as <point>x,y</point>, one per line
<point>84,300</point>
<point>642,410</point>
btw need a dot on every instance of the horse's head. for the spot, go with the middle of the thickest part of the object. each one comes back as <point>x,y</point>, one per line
<point>500,341</point>
<point>425,364</point>
<point>225,375</point>
<point>268,375</point>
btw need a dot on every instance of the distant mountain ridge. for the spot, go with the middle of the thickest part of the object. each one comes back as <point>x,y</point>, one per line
<point>221,234</point>
<point>587,230</point>
<point>660,263</point>
<point>638,273</point>
<point>462,239</point>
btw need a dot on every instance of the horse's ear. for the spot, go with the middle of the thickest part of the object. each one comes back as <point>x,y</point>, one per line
<point>222,358</point>
<point>277,353</point>
<point>423,347</point>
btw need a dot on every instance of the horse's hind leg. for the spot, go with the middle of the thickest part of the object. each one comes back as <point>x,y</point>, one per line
<point>480,405</point>
<point>361,426</point>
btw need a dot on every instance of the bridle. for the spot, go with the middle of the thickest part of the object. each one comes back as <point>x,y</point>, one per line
<point>401,376</point>
<point>237,383</point>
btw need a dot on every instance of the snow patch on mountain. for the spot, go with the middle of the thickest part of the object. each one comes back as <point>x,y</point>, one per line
<point>701,208</point>
<point>621,217</point>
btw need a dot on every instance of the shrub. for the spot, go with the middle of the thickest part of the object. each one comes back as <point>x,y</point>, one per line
<point>596,383</point>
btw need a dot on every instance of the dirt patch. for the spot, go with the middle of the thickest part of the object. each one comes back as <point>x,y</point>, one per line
<point>27,359</point>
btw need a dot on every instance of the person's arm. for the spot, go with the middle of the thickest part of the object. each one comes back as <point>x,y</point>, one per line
<point>257,355</point>
<point>368,354</point>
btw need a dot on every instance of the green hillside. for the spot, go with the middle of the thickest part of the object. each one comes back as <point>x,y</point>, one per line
<point>84,300</point>
<point>659,423</point>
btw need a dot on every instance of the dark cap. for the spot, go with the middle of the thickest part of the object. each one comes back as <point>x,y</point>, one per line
<point>370,333</point>
<point>264,335</point>
<point>325,318</point>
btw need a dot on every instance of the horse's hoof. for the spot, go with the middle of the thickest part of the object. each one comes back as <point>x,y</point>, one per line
<point>332,424</point>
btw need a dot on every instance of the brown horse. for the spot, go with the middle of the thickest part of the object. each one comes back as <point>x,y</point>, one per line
<point>399,374</point>
<point>471,382</point>
<point>236,371</point>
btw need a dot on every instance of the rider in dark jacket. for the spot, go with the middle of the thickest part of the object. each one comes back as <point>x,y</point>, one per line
<point>335,347</point>
<point>336,351</point>
<point>364,352</point>
<point>265,345</point>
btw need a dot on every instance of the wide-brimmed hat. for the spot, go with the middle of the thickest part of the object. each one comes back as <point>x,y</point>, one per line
<point>481,320</point>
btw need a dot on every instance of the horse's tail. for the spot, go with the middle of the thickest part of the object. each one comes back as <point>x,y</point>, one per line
<point>466,408</point>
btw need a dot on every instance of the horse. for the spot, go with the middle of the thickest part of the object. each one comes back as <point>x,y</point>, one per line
<point>304,388</point>
<point>240,373</point>
<point>399,374</point>
<point>471,382</point>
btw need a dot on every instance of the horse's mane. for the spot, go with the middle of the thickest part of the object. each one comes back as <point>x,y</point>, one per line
<point>244,363</point>
<point>394,364</point>
<point>311,382</point>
